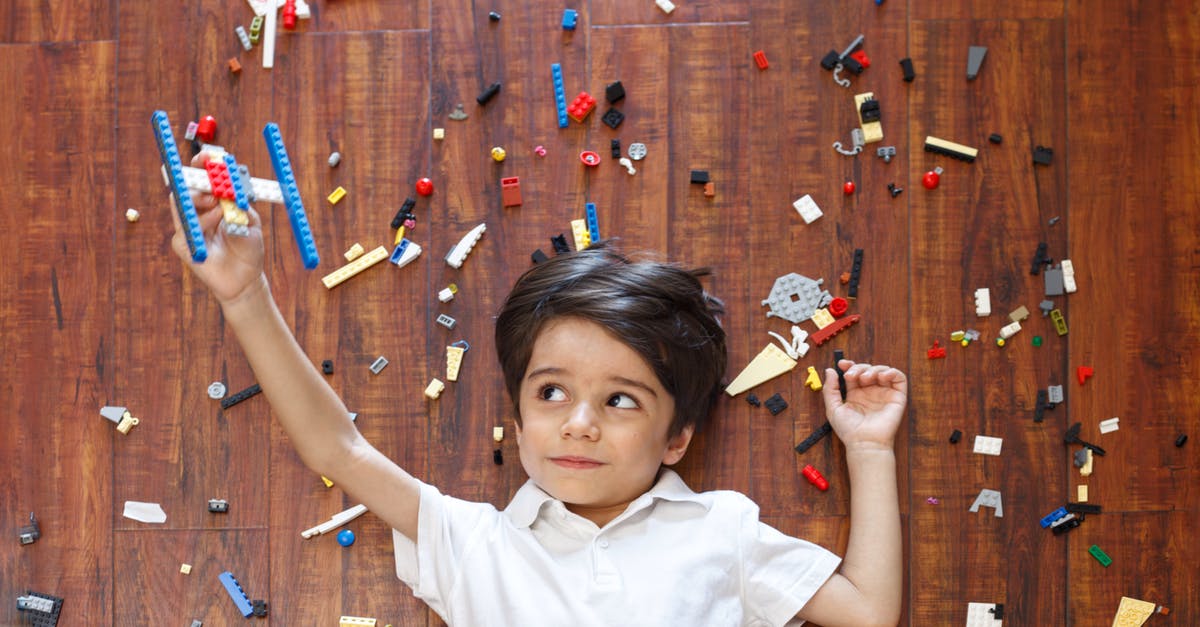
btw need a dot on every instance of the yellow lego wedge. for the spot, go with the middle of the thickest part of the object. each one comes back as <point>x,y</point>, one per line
<point>770,363</point>
<point>1132,612</point>
<point>454,355</point>
<point>354,267</point>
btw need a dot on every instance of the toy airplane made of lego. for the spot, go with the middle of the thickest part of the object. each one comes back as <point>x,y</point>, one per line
<point>230,183</point>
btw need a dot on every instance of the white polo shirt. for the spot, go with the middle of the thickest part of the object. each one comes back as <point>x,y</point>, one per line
<point>673,557</point>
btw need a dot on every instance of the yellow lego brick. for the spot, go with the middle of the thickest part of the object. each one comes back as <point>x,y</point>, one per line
<point>355,252</point>
<point>354,267</point>
<point>872,131</point>
<point>822,318</point>
<point>769,363</point>
<point>814,379</point>
<point>1086,469</point>
<point>583,238</point>
<point>434,389</point>
<point>439,133</point>
<point>337,195</point>
<point>1060,323</point>
<point>454,356</point>
<point>1081,493</point>
<point>498,434</point>
<point>326,481</point>
<point>1133,612</point>
<point>185,569</point>
<point>127,422</point>
<point>355,621</point>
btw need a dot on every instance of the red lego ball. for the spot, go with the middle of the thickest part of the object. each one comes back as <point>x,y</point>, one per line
<point>207,129</point>
<point>931,179</point>
<point>424,187</point>
<point>848,188</point>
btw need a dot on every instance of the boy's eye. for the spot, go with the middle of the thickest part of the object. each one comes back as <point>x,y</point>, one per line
<point>552,393</point>
<point>622,401</point>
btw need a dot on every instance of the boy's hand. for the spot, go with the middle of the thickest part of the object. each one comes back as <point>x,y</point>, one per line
<point>870,415</point>
<point>234,263</point>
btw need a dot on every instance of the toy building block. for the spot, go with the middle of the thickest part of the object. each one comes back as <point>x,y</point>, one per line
<point>559,242</point>
<point>1049,519</point>
<point>771,362</point>
<point>1110,425</point>
<point>173,170</point>
<point>838,356</point>
<point>258,607</point>
<point>1043,403</point>
<point>760,59</point>
<point>906,66</point>
<point>1134,613</point>
<point>593,224</point>
<point>347,271</point>
<point>986,445</point>
<point>936,351</point>
<point>236,593</point>
<point>41,610</point>
<point>185,569</point>
<point>839,306</point>
<point>579,231</point>
<point>950,149</point>
<point>796,347</point>
<point>337,195</point>
<point>1085,469</point>
<point>868,117</point>
<point>454,356</point>
<point>497,434</point>
<point>614,147</point>
<point>855,273</point>
<point>434,389</point>
<point>955,436</point>
<point>1040,259</point>
<point>238,397</point>
<point>613,118</point>
<point>1100,555</point>
<point>1181,440</point>
<point>404,252</point>
<point>1065,524</point>
<point>337,520</point>
<point>813,380</point>
<point>1009,330</point>
<point>814,477</point>
<point>1060,323</point>
<point>446,321</point>
<point>355,621</point>
<point>886,153</point>
<point>326,480</point>
<point>614,92</point>
<point>989,498</point>
<point>975,55</point>
<point>1083,373</point>
<point>1018,314</point>
<point>560,97</point>
<point>983,302</point>
<point>404,213</point>
<point>1054,282</point>
<point>458,254</point>
<point>982,615</point>
<point>666,5</point>
<point>510,191</point>
<point>570,19</point>
<point>1081,493</point>
<point>379,364</point>
<point>488,94</point>
<point>498,457</point>
<point>1042,155</point>
<point>127,422</point>
<point>807,208</point>
<point>795,297</point>
<point>827,333</point>
<point>447,293</point>
<point>268,38</point>
<point>815,437</point>
<point>776,404</point>
<point>1083,508</point>
<point>31,532</point>
<point>1068,275</point>
<point>581,107</point>
<point>235,66</point>
<point>291,195</point>
<point>218,506</point>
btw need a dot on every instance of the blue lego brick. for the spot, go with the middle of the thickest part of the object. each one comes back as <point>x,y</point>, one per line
<point>560,95</point>
<point>570,18</point>
<point>1053,516</point>
<point>236,593</point>
<point>398,252</point>
<point>592,223</point>
<point>235,179</point>
<point>169,153</point>
<point>291,195</point>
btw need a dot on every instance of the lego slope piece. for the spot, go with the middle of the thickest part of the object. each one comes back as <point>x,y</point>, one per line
<point>770,363</point>
<point>454,356</point>
<point>982,615</point>
<point>173,170</point>
<point>458,254</point>
<point>1133,612</point>
<point>291,195</point>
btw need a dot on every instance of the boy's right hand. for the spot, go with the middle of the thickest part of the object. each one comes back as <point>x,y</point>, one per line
<point>234,263</point>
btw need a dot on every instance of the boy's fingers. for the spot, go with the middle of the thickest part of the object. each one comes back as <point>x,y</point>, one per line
<point>833,397</point>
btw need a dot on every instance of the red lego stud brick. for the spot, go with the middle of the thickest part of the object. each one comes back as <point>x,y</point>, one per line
<point>1083,373</point>
<point>760,59</point>
<point>581,107</point>
<point>207,129</point>
<point>937,352</point>
<point>814,477</point>
<point>838,306</point>
<point>218,176</point>
<point>289,14</point>
<point>424,187</point>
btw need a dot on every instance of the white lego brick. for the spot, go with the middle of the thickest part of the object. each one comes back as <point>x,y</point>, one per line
<point>666,5</point>
<point>979,615</point>
<point>196,180</point>
<point>1010,330</point>
<point>808,209</point>
<point>986,445</point>
<point>983,302</point>
<point>268,39</point>
<point>989,498</point>
<point>1054,394</point>
<point>1110,425</point>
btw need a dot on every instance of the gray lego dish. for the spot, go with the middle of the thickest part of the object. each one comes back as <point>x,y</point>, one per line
<point>795,297</point>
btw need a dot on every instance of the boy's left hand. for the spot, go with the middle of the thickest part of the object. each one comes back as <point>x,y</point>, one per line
<point>874,405</point>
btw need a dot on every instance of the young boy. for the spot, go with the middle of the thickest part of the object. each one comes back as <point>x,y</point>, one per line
<point>612,365</point>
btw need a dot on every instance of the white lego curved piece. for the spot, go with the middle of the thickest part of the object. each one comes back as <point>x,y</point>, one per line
<point>458,254</point>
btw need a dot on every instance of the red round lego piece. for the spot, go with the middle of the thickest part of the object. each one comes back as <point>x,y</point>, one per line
<point>206,130</point>
<point>838,307</point>
<point>814,477</point>
<point>424,187</point>
<point>848,188</point>
<point>931,179</point>
<point>589,158</point>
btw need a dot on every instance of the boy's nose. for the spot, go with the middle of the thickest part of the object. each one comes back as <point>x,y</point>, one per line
<point>581,423</point>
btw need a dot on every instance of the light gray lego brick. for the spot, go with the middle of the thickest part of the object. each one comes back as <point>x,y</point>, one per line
<point>975,57</point>
<point>1054,282</point>
<point>1054,394</point>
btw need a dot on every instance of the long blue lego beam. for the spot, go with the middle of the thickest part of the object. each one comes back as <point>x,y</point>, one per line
<point>560,96</point>
<point>236,593</point>
<point>169,152</point>
<point>291,195</point>
<point>593,224</point>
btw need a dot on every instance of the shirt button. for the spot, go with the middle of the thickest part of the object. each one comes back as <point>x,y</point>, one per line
<point>603,543</point>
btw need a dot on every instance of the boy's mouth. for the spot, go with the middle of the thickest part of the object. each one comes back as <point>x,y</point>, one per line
<point>576,462</point>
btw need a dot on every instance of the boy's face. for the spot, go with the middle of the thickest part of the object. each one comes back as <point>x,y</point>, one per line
<point>594,420</point>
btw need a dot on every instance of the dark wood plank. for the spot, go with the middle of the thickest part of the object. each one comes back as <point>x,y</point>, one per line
<point>56,324</point>
<point>31,21</point>
<point>615,13</point>
<point>980,10</point>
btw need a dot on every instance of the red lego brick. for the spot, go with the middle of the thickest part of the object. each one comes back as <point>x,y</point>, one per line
<point>218,175</point>
<point>510,191</point>
<point>581,107</point>
<point>760,59</point>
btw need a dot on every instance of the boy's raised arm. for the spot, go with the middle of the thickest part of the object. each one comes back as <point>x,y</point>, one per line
<point>867,589</point>
<point>311,413</point>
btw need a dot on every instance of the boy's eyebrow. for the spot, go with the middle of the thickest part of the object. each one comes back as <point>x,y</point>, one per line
<point>553,370</point>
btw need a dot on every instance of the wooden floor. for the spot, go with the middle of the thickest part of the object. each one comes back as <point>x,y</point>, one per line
<point>97,311</point>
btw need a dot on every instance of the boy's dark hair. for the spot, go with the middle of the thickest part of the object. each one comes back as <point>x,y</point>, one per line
<point>658,309</point>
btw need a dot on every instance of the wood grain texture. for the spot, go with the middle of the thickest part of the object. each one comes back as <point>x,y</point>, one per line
<point>99,311</point>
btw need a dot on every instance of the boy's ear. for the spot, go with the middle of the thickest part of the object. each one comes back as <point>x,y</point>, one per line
<point>677,445</point>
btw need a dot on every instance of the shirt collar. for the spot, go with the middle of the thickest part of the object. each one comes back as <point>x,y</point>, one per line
<point>526,505</point>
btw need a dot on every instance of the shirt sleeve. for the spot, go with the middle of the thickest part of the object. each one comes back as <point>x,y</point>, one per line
<point>446,527</point>
<point>779,573</point>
